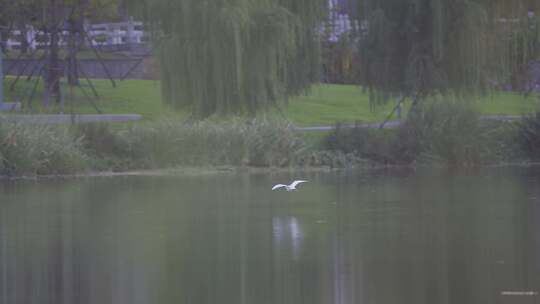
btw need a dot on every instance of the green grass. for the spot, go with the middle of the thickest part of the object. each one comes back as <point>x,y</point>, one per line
<point>324,105</point>
<point>507,103</point>
<point>29,149</point>
<point>327,104</point>
<point>129,97</point>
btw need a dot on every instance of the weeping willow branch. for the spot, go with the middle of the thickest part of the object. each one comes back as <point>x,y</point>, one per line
<point>440,46</point>
<point>249,54</point>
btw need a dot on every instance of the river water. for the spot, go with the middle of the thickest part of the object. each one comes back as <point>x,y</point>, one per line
<point>385,237</point>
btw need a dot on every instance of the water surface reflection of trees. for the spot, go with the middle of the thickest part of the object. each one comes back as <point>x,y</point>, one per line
<point>388,239</point>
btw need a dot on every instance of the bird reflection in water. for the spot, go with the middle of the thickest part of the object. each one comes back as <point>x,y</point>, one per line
<point>287,231</point>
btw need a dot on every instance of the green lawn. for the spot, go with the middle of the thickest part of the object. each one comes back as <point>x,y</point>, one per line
<point>325,104</point>
<point>505,103</point>
<point>130,96</point>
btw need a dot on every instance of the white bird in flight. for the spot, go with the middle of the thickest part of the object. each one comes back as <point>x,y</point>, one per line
<point>290,187</point>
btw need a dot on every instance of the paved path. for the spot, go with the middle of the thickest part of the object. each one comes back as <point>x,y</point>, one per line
<point>82,118</point>
<point>388,125</point>
<point>67,118</point>
<point>396,123</point>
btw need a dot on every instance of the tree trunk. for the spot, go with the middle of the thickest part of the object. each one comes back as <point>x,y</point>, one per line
<point>24,40</point>
<point>53,71</point>
<point>74,40</point>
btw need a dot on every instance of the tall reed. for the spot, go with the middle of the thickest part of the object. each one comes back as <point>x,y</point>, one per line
<point>31,150</point>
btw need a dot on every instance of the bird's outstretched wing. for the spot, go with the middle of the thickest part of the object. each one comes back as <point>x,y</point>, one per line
<point>296,182</point>
<point>278,186</point>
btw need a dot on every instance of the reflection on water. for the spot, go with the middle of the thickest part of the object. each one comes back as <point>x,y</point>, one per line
<point>287,232</point>
<point>391,237</point>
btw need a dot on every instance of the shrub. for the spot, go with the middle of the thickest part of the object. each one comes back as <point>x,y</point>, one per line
<point>365,143</point>
<point>442,132</point>
<point>106,148</point>
<point>100,138</point>
<point>255,143</point>
<point>452,133</point>
<point>528,136</point>
<point>331,159</point>
<point>271,143</point>
<point>30,149</point>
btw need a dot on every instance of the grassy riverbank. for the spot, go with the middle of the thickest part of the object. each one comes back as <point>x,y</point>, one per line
<point>49,150</point>
<point>446,134</point>
<point>324,105</point>
<point>442,133</point>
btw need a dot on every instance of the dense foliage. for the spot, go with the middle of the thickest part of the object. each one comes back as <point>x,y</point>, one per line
<point>231,56</point>
<point>442,132</point>
<point>420,47</point>
<point>31,150</point>
<point>529,136</point>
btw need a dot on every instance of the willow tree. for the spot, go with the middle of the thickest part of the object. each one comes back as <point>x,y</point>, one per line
<point>420,47</point>
<point>231,56</point>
